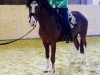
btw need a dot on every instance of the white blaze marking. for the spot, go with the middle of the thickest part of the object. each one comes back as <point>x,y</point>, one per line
<point>33,7</point>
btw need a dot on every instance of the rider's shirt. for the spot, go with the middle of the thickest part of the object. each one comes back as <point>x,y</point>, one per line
<point>59,3</point>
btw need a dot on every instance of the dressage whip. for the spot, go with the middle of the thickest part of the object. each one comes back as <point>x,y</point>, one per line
<point>18,38</point>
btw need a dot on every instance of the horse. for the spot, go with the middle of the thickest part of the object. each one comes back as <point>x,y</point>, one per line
<point>50,32</point>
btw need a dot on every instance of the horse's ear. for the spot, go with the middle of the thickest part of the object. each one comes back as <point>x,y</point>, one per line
<point>28,3</point>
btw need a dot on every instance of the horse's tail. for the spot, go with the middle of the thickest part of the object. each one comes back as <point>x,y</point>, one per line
<point>81,47</point>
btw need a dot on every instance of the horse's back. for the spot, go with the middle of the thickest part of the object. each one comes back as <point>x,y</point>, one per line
<point>80,16</point>
<point>82,21</point>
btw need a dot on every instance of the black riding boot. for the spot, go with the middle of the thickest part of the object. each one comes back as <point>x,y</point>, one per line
<point>69,34</point>
<point>69,39</point>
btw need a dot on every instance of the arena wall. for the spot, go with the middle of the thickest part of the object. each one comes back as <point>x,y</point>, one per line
<point>14,20</point>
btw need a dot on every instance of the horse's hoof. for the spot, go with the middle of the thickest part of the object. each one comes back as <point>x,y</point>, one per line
<point>84,62</point>
<point>52,73</point>
<point>72,62</point>
<point>45,71</point>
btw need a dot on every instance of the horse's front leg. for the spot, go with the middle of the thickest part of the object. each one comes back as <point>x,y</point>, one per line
<point>53,51</point>
<point>46,45</point>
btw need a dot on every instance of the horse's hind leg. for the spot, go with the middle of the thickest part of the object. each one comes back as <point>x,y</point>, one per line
<point>83,47</point>
<point>46,45</point>
<point>75,51</point>
<point>53,51</point>
<point>84,56</point>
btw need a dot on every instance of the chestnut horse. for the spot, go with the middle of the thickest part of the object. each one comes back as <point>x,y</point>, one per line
<point>50,32</point>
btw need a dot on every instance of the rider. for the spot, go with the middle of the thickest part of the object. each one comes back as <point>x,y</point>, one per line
<point>62,8</point>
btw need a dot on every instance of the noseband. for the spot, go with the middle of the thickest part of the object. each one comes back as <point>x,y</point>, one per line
<point>34,15</point>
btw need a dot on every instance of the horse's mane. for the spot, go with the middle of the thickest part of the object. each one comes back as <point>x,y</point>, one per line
<point>48,7</point>
<point>43,3</point>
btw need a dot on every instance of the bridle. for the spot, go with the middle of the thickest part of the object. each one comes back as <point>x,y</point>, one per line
<point>34,15</point>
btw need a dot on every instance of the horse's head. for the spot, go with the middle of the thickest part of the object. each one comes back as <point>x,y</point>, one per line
<point>31,4</point>
<point>38,7</point>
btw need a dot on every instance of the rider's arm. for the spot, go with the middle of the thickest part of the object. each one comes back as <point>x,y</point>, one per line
<point>51,2</point>
<point>63,3</point>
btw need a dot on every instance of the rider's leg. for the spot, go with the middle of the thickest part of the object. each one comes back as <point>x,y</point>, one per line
<point>64,12</point>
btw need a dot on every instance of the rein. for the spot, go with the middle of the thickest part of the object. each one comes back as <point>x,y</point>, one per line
<point>18,38</point>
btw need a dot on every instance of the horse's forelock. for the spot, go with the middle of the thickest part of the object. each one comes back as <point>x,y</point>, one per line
<point>29,3</point>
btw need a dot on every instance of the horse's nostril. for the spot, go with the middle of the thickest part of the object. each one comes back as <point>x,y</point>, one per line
<point>32,25</point>
<point>29,21</point>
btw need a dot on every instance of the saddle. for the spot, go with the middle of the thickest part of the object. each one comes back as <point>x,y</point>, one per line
<point>72,21</point>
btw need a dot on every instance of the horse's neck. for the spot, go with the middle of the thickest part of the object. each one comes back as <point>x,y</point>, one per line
<point>44,14</point>
<point>46,20</point>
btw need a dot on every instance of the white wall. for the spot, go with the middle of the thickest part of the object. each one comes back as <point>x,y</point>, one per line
<point>14,20</point>
<point>93,14</point>
<point>89,1</point>
<point>96,2</point>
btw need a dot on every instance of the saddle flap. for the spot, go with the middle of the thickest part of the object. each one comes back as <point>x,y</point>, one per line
<point>72,20</point>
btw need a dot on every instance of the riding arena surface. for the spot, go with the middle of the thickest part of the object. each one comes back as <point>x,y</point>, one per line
<point>27,57</point>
